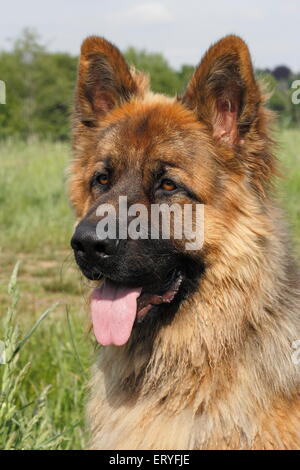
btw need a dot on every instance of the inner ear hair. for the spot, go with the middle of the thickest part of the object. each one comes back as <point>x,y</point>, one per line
<point>223,91</point>
<point>104,80</point>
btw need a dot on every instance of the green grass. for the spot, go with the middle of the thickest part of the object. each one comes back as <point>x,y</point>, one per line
<point>289,185</point>
<point>34,214</point>
<point>42,406</point>
<point>43,383</point>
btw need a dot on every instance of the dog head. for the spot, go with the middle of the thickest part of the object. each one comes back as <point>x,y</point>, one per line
<point>152,150</point>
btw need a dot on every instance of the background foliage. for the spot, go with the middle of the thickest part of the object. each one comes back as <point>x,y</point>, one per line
<point>40,87</point>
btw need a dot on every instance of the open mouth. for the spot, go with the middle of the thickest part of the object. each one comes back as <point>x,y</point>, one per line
<point>115,307</point>
<point>146,300</point>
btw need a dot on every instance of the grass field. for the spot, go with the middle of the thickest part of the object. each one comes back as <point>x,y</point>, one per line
<point>43,388</point>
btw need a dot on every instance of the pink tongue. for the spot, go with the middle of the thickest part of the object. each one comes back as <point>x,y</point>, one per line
<point>113,309</point>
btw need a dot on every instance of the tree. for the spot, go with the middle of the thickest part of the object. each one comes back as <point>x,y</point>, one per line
<point>39,89</point>
<point>282,72</point>
<point>163,78</point>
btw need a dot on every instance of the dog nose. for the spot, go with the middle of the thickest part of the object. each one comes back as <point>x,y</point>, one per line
<point>86,243</point>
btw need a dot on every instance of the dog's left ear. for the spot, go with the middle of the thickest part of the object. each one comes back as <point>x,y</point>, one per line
<point>104,81</point>
<point>223,91</point>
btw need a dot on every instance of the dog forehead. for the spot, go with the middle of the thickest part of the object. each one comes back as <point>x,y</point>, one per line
<point>137,131</point>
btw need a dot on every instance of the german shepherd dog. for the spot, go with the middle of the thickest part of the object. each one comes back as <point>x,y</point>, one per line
<point>197,345</point>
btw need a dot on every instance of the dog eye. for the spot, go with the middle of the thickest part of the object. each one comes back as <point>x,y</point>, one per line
<point>102,179</point>
<point>168,185</point>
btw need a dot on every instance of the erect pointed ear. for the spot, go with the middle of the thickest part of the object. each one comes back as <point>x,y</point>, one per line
<point>104,80</point>
<point>223,91</point>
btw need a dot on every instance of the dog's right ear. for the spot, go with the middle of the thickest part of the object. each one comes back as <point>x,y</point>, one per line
<point>223,91</point>
<point>104,81</point>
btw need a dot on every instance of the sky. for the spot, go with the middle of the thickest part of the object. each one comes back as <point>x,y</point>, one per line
<point>180,29</point>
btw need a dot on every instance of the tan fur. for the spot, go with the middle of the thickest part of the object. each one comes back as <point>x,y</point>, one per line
<point>220,375</point>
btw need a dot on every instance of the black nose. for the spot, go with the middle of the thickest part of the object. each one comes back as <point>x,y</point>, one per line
<point>86,243</point>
